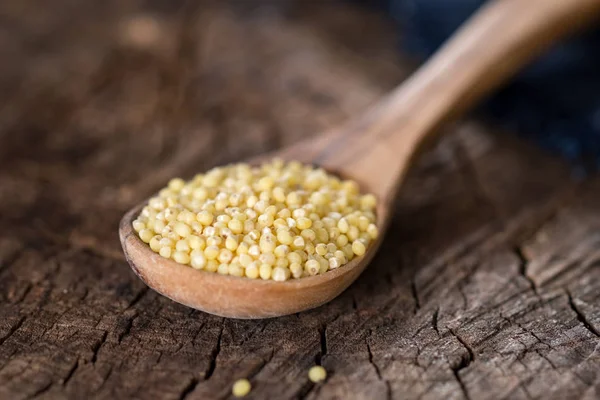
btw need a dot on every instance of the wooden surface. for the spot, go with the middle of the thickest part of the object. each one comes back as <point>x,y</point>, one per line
<point>487,286</point>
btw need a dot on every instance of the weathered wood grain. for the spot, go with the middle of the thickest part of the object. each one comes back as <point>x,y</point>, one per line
<point>488,285</point>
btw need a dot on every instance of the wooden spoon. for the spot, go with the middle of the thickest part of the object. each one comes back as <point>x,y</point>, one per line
<point>375,150</point>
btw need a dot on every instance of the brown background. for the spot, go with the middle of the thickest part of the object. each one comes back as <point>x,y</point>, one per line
<point>487,286</point>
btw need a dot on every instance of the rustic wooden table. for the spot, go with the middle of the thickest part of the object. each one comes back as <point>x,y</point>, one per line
<point>487,286</point>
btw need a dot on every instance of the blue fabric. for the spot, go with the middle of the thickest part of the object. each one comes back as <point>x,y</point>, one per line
<point>554,102</point>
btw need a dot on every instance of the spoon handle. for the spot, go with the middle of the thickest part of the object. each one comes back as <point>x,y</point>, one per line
<point>494,44</point>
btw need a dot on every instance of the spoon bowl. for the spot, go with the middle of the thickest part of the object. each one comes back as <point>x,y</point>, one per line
<point>375,150</point>
<point>240,297</point>
<point>230,296</point>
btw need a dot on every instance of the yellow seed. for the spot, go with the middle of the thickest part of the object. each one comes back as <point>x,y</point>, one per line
<point>299,213</point>
<point>278,194</point>
<point>284,213</point>
<point>296,270</point>
<point>353,233</point>
<point>343,225</point>
<point>308,234</point>
<point>294,258</point>
<point>186,216</point>
<point>224,218</point>
<point>339,254</point>
<point>225,256</point>
<point>146,235</point>
<point>341,241</point>
<point>298,243</point>
<point>182,245</point>
<point>138,225</point>
<point>373,231</point>
<point>214,241</point>
<point>198,261</point>
<point>165,252</point>
<point>251,271</point>
<point>363,223</point>
<point>211,252</point>
<point>236,226</point>
<point>312,267</point>
<point>281,274</point>
<point>358,248</point>
<point>282,250</point>
<point>241,388</point>
<point>347,249</point>
<point>303,223</point>
<point>334,263</point>
<point>317,374</point>
<point>236,270</point>
<point>205,217</point>
<point>368,202</point>
<point>159,225</point>
<point>282,262</point>
<point>254,251</point>
<point>181,257</point>
<point>223,269</point>
<point>211,266</point>
<point>196,242</point>
<point>166,242</point>
<point>245,259</point>
<point>231,243</point>
<point>268,244</point>
<point>302,255</point>
<point>242,248</point>
<point>155,243</point>
<point>321,249</point>
<point>323,264</point>
<point>200,193</point>
<point>267,258</point>
<point>157,203</point>
<point>176,184</point>
<point>265,271</point>
<point>329,222</point>
<point>322,235</point>
<point>266,219</point>
<point>284,237</point>
<point>280,223</point>
<point>182,229</point>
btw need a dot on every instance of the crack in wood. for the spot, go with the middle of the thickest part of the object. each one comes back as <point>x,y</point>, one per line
<point>415,294</point>
<point>434,320</point>
<point>536,337</point>
<point>67,378</point>
<point>97,346</point>
<point>523,263</point>
<point>45,388</point>
<point>189,388</point>
<point>138,297</point>
<point>323,342</point>
<point>464,363</point>
<point>388,388</point>
<point>305,390</point>
<point>127,328</point>
<point>12,330</point>
<point>214,354</point>
<point>471,353</point>
<point>581,316</point>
